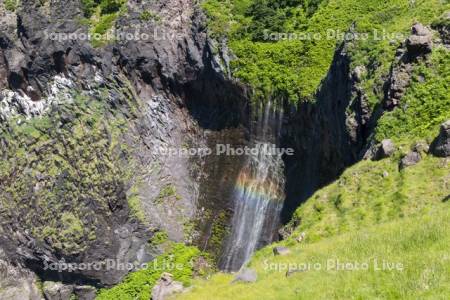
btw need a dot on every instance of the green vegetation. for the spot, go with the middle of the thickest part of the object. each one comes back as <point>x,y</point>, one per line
<point>89,7</point>
<point>134,203</point>
<point>426,104</point>
<point>442,21</point>
<point>105,6</point>
<point>219,232</point>
<point>149,16</point>
<point>416,248</point>
<point>168,191</point>
<point>294,68</point>
<point>179,261</point>
<point>111,6</point>
<point>100,17</point>
<point>370,193</point>
<point>159,238</point>
<point>11,5</point>
<point>105,23</point>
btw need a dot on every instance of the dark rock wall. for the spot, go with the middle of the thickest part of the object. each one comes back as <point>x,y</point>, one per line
<point>175,90</point>
<point>327,135</point>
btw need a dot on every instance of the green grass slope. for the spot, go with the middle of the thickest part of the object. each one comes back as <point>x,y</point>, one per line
<point>371,193</point>
<point>403,259</point>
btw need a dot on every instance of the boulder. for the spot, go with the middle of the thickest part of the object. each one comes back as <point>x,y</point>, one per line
<point>420,30</point>
<point>358,73</point>
<point>411,159</point>
<point>441,145</point>
<point>246,275</point>
<point>420,42</point>
<point>56,290</point>
<point>385,149</point>
<point>85,292</point>
<point>301,237</point>
<point>281,250</point>
<point>166,287</point>
<point>421,147</point>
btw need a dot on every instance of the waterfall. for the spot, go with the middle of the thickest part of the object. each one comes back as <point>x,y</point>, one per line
<point>259,192</point>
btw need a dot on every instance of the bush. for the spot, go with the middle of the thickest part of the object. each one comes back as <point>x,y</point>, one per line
<point>106,6</point>
<point>89,7</point>
<point>11,5</point>
<point>138,285</point>
<point>110,6</point>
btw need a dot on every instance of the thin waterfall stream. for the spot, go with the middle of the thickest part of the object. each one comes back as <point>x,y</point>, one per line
<point>259,191</point>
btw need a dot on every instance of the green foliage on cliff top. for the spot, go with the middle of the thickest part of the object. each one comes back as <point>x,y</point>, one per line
<point>418,244</point>
<point>294,68</point>
<point>138,285</point>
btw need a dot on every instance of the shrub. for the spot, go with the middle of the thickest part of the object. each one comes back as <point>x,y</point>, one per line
<point>11,5</point>
<point>138,285</point>
<point>89,7</point>
<point>110,6</point>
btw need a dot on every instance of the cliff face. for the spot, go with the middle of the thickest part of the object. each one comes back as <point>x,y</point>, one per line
<point>328,135</point>
<point>82,177</point>
<point>338,129</point>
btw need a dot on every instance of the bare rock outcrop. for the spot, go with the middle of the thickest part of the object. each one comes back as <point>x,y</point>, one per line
<point>420,42</point>
<point>417,46</point>
<point>441,145</point>
<point>166,287</point>
<point>410,159</point>
<point>18,283</point>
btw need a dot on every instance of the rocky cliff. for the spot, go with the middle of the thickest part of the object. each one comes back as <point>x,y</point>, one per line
<point>85,126</point>
<point>83,178</point>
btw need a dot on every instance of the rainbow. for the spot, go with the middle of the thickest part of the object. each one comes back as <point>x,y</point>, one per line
<point>250,187</point>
